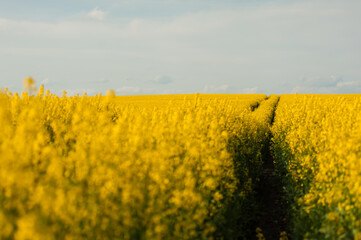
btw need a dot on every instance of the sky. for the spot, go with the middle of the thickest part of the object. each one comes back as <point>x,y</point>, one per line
<point>182,46</point>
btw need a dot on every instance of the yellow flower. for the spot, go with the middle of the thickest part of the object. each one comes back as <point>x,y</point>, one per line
<point>29,84</point>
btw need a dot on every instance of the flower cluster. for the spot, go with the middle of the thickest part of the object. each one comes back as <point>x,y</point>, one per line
<point>317,147</point>
<point>141,167</point>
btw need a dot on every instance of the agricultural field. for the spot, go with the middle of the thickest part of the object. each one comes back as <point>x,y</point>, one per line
<point>186,166</point>
<point>317,152</point>
<point>110,167</point>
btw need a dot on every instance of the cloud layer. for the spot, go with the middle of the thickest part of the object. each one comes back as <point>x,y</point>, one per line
<point>269,47</point>
<point>327,85</point>
<point>97,14</point>
<point>162,79</point>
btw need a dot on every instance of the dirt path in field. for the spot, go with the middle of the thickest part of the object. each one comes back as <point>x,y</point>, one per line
<point>272,215</point>
<point>272,209</point>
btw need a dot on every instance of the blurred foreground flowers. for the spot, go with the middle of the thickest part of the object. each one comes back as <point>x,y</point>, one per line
<point>143,167</point>
<point>29,84</point>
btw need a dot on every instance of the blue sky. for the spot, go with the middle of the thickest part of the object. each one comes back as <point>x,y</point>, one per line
<point>182,46</point>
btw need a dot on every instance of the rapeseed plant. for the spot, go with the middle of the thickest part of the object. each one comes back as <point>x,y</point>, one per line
<point>142,167</point>
<point>317,143</point>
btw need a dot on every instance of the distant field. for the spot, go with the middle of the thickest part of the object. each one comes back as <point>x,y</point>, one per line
<point>164,100</point>
<point>187,166</point>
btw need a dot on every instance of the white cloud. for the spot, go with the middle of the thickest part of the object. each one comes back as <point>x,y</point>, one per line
<point>330,81</point>
<point>128,89</point>
<point>133,90</point>
<point>250,90</point>
<point>97,14</point>
<point>101,81</point>
<point>216,89</point>
<point>49,83</point>
<point>327,85</point>
<point>45,81</point>
<point>162,79</point>
<point>349,84</point>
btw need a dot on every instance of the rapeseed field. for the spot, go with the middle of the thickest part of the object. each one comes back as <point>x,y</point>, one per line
<point>149,167</point>
<point>181,166</point>
<point>317,147</point>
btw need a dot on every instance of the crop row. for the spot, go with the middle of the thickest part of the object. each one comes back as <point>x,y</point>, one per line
<point>317,150</point>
